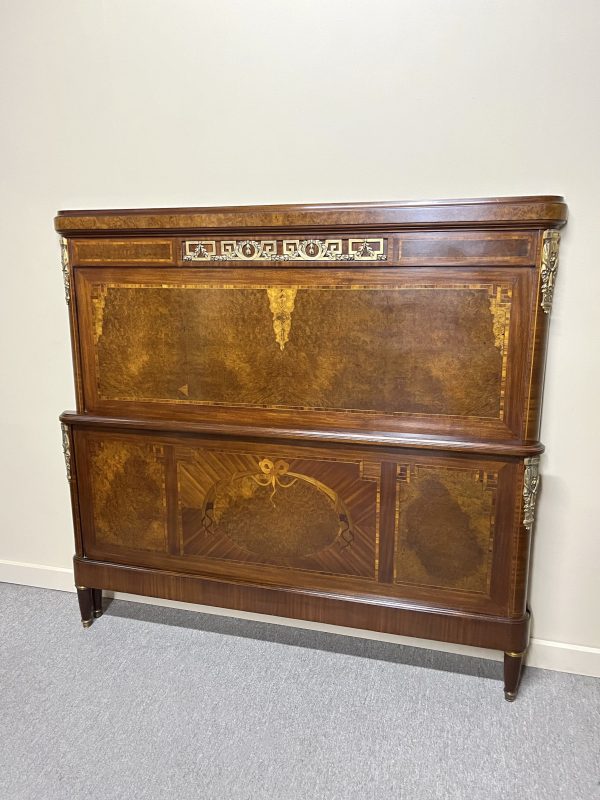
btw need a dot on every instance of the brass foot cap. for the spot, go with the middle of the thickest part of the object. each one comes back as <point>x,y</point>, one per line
<point>510,696</point>
<point>98,613</point>
<point>86,622</point>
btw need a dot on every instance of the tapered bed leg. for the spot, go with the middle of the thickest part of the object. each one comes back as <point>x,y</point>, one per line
<point>86,605</point>
<point>97,602</point>
<point>513,664</point>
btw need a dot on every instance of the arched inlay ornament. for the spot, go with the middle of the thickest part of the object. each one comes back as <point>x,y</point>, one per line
<point>274,511</point>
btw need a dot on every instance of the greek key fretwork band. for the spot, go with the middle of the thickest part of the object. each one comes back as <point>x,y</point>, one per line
<point>286,250</point>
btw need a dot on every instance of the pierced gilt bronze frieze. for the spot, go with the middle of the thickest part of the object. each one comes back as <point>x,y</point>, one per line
<point>286,250</point>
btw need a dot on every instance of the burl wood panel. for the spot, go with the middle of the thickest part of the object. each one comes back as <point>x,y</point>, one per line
<point>489,212</point>
<point>445,526</point>
<point>307,514</point>
<point>348,348</point>
<point>127,481</point>
<point>431,528</point>
<point>126,251</point>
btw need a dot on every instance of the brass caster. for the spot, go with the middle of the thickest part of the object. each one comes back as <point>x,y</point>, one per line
<point>510,696</point>
<point>98,613</point>
<point>86,622</point>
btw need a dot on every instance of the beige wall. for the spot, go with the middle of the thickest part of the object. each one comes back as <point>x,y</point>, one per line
<point>184,102</point>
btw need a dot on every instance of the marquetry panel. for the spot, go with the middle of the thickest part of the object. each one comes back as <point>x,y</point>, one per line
<point>349,347</point>
<point>127,482</point>
<point>445,524</point>
<point>127,251</point>
<point>308,514</point>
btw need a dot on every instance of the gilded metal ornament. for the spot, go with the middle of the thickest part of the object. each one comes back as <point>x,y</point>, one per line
<point>66,271</point>
<point>286,250</point>
<point>66,445</point>
<point>500,303</point>
<point>531,484</point>
<point>550,243</point>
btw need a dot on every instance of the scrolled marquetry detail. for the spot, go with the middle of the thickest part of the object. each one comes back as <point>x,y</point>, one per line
<point>286,250</point>
<point>66,270</point>
<point>531,484</point>
<point>549,268</point>
<point>66,445</point>
<point>274,474</point>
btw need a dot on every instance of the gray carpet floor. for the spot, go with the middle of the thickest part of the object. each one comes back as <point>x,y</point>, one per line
<point>155,703</point>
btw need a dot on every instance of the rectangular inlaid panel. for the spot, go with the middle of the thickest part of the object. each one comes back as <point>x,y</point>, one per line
<point>467,247</point>
<point>126,251</point>
<point>127,484</point>
<point>420,348</point>
<point>431,526</point>
<point>307,514</point>
<point>445,520</point>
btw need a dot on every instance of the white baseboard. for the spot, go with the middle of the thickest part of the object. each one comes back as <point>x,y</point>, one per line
<point>39,575</point>
<point>559,656</point>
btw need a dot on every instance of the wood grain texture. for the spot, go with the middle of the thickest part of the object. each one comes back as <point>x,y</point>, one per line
<point>127,483</point>
<point>313,411</point>
<point>87,252</point>
<point>513,212</point>
<point>386,440</point>
<point>403,619</point>
<point>295,512</point>
<point>445,526</point>
<point>217,347</point>
<point>341,519</point>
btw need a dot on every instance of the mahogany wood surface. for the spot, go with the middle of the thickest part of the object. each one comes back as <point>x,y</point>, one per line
<point>326,412</point>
